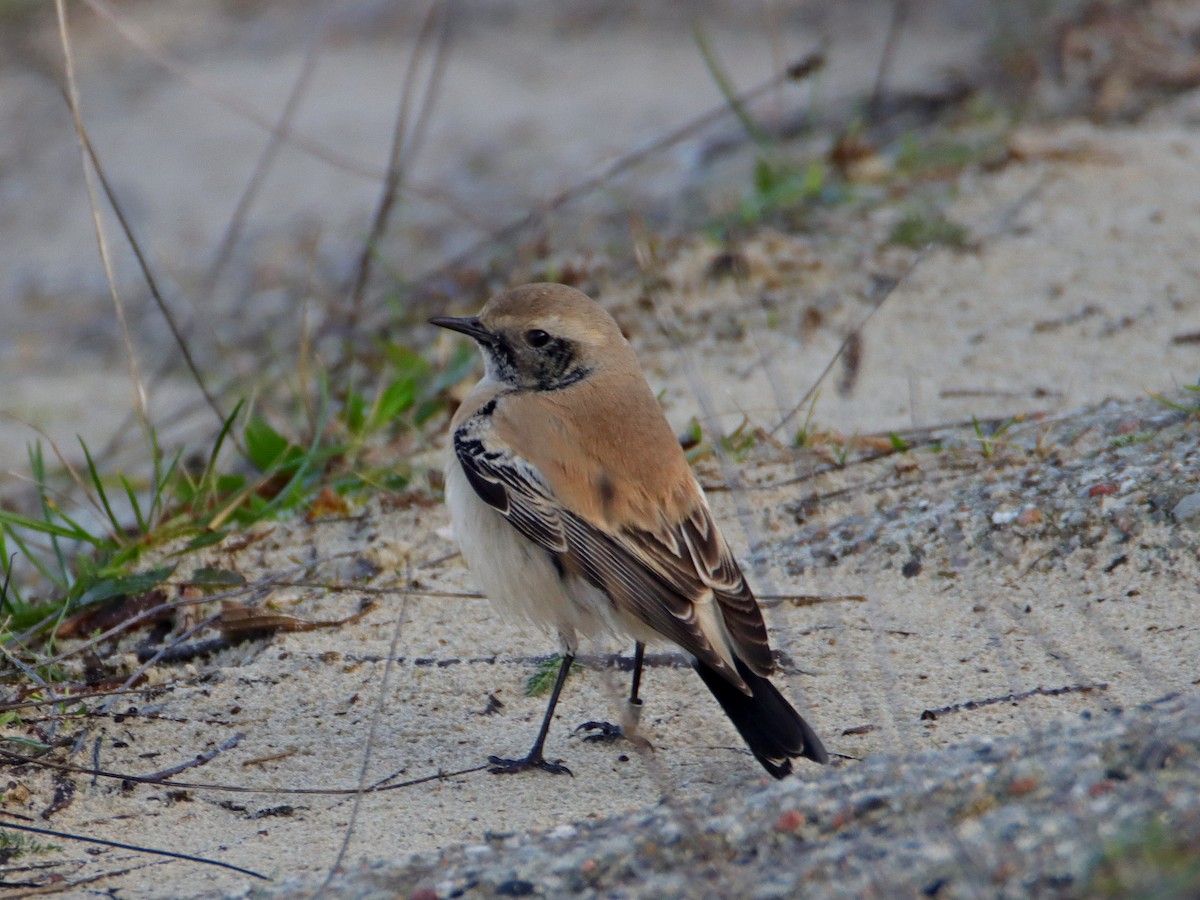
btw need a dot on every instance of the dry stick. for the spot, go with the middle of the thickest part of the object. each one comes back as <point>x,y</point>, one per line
<point>377,788</point>
<point>89,175</point>
<point>899,15</point>
<point>800,69</point>
<point>774,599</point>
<point>136,849</point>
<point>240,591</point>
<point>265,161</point>
<point>934,714</point>
<point>141,670</point>
<point>401,155</point>
<point>234,229</point>
<point>151,282</point>
<point>851,336</point>
<point>30,674</point>
<point>69,698</point>
<point>1149,671</point>
<point>62,887</point>
<point>366,759</point>
<point>198,760</point>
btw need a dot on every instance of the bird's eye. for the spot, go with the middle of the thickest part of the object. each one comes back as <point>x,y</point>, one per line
<point>535,337</point>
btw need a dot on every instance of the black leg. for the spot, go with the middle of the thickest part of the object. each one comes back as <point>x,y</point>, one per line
<point>535,760</point>
<point>639,653</point>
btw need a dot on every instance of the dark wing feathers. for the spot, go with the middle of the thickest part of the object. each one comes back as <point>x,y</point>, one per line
<point>660,583</point>
<point>694,557</point>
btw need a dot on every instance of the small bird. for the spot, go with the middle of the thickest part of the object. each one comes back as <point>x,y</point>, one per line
<point>576,509</point>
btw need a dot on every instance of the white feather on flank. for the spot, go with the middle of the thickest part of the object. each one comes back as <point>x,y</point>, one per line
<point>522,582</point>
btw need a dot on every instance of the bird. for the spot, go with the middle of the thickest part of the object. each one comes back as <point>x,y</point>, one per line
<point>575,509</point>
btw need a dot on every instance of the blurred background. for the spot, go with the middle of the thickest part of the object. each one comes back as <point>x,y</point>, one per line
<point>248,145</point>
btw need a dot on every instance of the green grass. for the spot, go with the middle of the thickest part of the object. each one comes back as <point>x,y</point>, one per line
<point>89,550</point>
<point>14,845</point>
<point>737,444</point>
<point>1128,440</point>
<point>990,439</point>
<point>1192,408</point>
<point>542,680</point>
<point>782,187</point>
<point>920,229</point>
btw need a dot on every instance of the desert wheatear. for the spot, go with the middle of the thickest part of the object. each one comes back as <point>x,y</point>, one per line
<point>576,509</point>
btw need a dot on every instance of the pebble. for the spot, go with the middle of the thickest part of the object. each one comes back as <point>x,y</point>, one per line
<point>1005,516</point>
<point>1188,510</point>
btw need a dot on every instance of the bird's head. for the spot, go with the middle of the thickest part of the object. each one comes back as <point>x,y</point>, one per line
<point>543,337</point>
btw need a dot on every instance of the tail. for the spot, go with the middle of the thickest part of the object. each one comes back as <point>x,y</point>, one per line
<point>771,728</point>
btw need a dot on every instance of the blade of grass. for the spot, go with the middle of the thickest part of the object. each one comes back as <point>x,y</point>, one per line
<point>51,529</point>
<point>131,494</point>
<point>5,604</point>
<point>307,460</point>
<point>37,466</point>
<point>98,484</point>
<point>725,85</point>
<point>34,559</point>
<point>205,489</point>
<point>166,479</point>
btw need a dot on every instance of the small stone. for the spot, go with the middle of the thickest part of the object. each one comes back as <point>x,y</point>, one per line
<point>1030,516</point>
<point>789,822</point>
<point>1188,510</point>
<point>1004,516</point>
<point>1022,786</point>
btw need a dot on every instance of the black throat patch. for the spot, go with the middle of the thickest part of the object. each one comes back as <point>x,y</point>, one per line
<point>551,367</point>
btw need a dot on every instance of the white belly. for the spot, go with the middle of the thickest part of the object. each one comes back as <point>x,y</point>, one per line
<point>518,576</point>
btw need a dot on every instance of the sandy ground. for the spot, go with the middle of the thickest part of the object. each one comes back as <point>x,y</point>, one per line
<point>1052,571</point>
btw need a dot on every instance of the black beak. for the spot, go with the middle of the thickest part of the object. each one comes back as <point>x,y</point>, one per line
<point>468,325</point>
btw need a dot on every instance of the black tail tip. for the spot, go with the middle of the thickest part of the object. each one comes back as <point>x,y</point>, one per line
<point>772,729</point>
<point>813,749</point>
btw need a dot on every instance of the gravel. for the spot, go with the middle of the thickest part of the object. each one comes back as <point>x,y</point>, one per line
<point>1099,806</point>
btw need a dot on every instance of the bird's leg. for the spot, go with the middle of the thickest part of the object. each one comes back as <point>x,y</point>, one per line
<point>606,731</point>
<point>534,759</point>
<point>639,654</point>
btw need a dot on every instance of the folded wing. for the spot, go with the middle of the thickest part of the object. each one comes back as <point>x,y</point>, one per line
<point>673,580</point>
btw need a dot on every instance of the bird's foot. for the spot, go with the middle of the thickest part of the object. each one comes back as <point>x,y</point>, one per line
<point>605,732</point>
<point>499,766</point>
